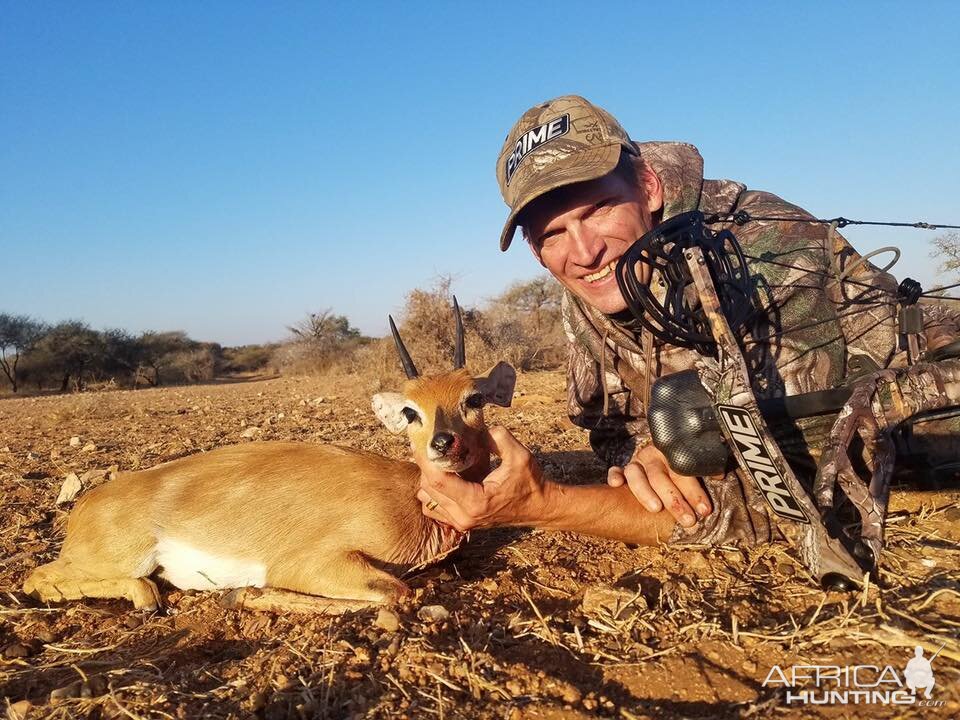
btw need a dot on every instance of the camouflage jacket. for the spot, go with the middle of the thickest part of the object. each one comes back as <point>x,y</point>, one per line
<point>795,266</point>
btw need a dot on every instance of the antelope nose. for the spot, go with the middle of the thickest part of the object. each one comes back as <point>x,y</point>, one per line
<point>441,442</point>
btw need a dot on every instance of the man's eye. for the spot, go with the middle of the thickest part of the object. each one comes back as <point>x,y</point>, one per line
<point>549,240</point>
<point>410,414</point>
<point>474,401</point>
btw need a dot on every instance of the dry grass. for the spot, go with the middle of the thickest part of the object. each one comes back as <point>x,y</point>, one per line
<point>695,635</point>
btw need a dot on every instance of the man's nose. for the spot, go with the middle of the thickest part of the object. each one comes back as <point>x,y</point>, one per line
<point>586,244</point>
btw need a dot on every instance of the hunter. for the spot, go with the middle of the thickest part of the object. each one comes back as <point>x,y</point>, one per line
<point>581,192</point>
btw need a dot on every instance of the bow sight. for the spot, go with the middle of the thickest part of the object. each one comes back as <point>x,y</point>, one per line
<point>659,290</point>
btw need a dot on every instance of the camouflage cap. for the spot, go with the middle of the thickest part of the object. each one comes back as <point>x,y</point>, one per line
<point>562,141</point>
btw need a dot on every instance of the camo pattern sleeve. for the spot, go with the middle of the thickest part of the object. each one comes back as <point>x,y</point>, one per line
<point>618,430</point>
<point>941,325</point>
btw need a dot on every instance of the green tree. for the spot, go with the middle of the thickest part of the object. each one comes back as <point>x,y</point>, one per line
<point>18,336</point>
<point>324,330</point>
<point>539,299</point>
<point>74,351</point>
<point>946,248</point>
<point>159,350</point>
<point>123,353</point>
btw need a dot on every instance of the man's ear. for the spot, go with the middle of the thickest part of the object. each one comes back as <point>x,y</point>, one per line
<point>387,407</point>
<point>653,189</point>
<point>497,386</point>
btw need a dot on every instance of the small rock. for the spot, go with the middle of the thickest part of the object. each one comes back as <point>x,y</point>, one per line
<point>786,569</point>
<point>89,447</point>
<point>132,621</point>
<point>18,710</point>
<point>490,585</point>
<point>513,687</point>
<point>616,602</point>
<point>318,400</point>
<point>952,514</point>
<point>69,489</point>
<point>394,647</point>
<point>570,694</point>
<point>697,563</point>
<point>47,636</point>
<point>74,441</point>
<point>282,682</point>
<point>67,691</point>
<point>749,666</point>
<point>16,650</point>
<point>250,432</point>
<point>387,620</point>
<point>433,613</point>
<point>91,475</point>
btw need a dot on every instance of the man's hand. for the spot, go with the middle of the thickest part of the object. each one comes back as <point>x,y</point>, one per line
<point>656,486</point>
<point>512,494</point>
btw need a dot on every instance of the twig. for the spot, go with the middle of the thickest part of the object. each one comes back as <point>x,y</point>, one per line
<point>550,636</point>
<point>81,651</point>
<point>936,593</point>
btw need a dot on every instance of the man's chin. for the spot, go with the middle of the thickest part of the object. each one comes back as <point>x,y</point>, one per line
<point>609,303</point>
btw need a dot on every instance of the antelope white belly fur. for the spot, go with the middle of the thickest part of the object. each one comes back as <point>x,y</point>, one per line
<point>190,568</point>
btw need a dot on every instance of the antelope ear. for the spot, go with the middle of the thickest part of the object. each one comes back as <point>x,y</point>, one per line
<point>497,386</point>
<point>387,407</point>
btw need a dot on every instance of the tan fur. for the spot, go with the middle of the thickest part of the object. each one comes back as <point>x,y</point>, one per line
<point>321,520</point>
<point>446,394</point>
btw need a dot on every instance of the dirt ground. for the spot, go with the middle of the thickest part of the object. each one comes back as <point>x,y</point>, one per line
<point>528,633</point>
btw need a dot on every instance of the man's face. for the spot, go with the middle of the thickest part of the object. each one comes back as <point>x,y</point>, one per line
<point>579,232</point>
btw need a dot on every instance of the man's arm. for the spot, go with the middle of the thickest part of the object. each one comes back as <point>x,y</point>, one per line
<point>609,512</point>
<point>516,494</point>
<point>620,436</point>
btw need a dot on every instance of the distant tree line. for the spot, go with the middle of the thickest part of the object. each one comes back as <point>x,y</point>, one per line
<point>70,355</point>
<point>521,325</point>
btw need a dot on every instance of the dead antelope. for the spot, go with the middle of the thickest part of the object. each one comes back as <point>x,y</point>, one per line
<point>317,520</point>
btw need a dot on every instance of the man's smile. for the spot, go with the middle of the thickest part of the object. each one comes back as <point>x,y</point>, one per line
<point>605,272</point>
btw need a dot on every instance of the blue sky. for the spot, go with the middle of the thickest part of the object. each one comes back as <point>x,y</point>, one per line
<point>224,168</point>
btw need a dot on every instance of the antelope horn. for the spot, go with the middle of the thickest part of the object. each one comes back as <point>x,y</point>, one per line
<point>459,351</point>
<point>408,367</point>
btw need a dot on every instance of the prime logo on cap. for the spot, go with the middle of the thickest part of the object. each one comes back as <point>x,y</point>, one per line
<point>560,142</point>
<point>534,138</point>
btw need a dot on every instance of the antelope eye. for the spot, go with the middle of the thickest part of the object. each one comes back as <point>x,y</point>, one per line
<point>410,414</point>
<point>474,401</point>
